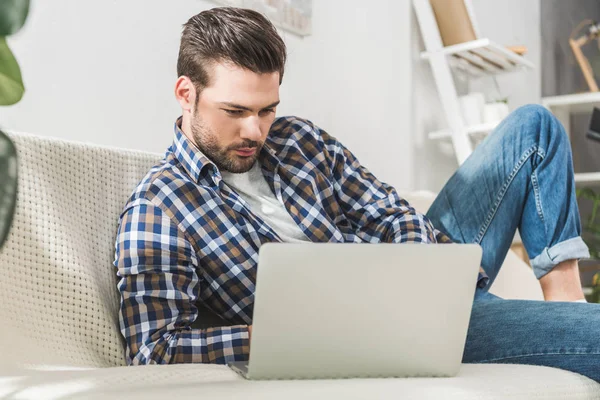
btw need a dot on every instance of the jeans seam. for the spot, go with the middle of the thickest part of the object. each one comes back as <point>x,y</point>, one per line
<point>536,194</point>
<point>570,353</point>
<point>536,189</point>
<point>502,192</point>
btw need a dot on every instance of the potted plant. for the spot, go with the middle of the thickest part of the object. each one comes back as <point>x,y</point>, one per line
<point>12,17</point>
<point>592,235</point>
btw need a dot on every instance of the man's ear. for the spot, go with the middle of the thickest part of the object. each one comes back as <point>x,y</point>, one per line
<point>185,92</point>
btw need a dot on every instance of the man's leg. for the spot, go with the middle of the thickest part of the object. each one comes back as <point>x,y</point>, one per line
<point>553,334</point>
<point>520,176</point>
<point>563,283</point>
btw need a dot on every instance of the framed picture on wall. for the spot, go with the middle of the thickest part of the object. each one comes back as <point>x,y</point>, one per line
<point>291,15</point>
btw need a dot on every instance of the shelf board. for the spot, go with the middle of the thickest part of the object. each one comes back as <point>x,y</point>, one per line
<point>587,177</point>
<point>576,103</point>
<point>482,57</point>
<point>470,130</point>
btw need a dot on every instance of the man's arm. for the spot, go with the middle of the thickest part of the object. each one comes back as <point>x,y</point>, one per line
<point>373,207</point>
<point>159,287</point>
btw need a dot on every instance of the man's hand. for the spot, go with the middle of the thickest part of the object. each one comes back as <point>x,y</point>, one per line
<point>249,331</point>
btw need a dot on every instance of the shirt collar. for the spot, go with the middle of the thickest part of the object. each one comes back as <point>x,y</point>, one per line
<point>192,159</point>
<point>268,157</point>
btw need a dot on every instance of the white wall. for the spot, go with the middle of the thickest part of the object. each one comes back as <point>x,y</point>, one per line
<point>507,22</point>
<point>103,72</point>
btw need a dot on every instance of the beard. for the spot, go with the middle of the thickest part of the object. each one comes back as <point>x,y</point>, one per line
<point>223,157</point>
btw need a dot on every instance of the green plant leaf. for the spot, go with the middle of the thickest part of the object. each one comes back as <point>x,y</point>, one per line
<point>594,211</point>
<point>13,14</point>
<point>587,193</point>
<point>593,229</point>
<point>8,184</point>
<point>11,83</point>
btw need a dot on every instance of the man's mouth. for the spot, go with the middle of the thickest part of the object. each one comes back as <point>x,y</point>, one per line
<point>246,152</point>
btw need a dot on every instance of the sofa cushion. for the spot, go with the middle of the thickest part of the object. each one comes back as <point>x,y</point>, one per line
<point>485,381</point>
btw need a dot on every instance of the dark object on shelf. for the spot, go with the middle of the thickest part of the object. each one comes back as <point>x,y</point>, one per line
<point>594,129</point>
<point>8,184</point>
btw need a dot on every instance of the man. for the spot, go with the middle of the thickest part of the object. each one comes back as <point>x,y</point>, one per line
<point>237,177</point>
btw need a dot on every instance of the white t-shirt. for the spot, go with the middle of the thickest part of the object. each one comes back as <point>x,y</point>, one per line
<point>254,189</point>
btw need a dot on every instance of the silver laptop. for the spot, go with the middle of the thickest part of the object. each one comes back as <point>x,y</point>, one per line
<point>325,310</point>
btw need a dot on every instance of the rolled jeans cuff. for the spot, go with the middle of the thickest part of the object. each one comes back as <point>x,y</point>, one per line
<point>574,248</point>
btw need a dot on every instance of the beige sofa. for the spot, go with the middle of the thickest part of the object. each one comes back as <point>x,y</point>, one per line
<point>60,336</point>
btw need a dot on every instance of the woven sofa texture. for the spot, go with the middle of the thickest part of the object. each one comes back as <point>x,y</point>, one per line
<point>59,308</point>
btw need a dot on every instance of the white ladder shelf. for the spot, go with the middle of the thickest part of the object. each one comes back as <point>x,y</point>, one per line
<point>476,58</point>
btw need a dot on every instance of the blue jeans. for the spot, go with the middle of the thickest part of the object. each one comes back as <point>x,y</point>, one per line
<point>521,176</point>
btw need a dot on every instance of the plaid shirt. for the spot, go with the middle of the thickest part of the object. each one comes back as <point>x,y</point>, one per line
<point>186,240</point>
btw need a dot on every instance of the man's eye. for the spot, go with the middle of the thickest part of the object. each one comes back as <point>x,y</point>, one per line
<point>268,111</point>
<point>234,112</point>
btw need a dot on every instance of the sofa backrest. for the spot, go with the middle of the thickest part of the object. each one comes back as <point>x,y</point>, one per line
<point>58,284</point>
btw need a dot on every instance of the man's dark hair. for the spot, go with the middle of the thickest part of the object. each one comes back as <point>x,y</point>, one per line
<point>226,34</point>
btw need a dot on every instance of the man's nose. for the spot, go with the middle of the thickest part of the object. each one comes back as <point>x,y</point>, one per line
<point>251,129</point>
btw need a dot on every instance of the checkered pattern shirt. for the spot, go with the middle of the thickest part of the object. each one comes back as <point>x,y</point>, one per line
<point>186,240</point>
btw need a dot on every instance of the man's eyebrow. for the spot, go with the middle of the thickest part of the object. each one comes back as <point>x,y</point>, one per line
<point>239,107</point>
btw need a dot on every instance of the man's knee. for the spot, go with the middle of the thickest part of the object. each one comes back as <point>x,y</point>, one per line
<point>536,120</point>
<point>532,114</point>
